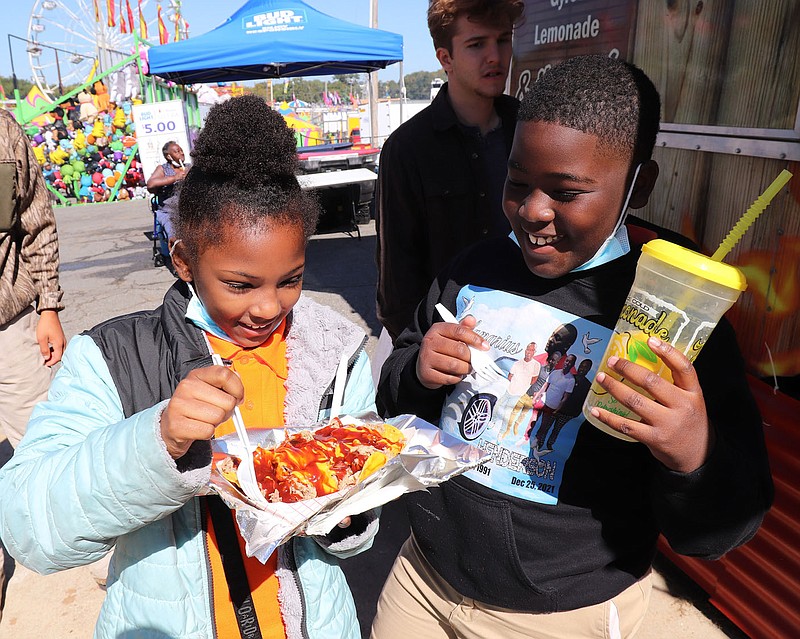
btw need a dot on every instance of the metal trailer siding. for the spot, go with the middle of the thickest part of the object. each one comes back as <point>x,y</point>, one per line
<point>757,586</point>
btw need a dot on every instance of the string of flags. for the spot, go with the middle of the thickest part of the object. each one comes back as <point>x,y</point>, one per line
<point>125,20</point>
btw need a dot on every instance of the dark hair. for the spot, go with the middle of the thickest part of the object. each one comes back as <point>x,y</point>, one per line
<point>165,148</point>
<point>602,96</point>
<point>243,174</point>
<point>442,15</point>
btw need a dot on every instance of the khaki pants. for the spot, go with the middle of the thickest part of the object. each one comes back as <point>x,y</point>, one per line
<point>524,403</point>
<point>416,602</point>
<point>24,379</point>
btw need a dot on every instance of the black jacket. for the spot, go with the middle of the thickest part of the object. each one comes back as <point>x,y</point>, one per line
<point>613,498</point>
<point>433,201</point>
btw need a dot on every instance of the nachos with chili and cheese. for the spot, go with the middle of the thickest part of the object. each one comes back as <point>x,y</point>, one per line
<point>312,464</point>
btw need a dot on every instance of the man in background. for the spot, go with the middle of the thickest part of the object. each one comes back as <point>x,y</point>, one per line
<point>442,172</point>
<point>31,338</point>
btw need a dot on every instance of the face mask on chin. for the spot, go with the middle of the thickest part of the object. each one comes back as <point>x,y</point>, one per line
<point>617,244</point>
<point>197,314</point>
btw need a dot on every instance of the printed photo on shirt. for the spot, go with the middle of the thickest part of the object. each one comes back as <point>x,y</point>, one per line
<point>524,408</point>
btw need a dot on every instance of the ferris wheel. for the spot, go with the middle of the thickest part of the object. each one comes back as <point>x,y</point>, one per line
<point>67,43</point>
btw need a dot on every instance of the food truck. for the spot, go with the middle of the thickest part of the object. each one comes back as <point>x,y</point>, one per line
<point>729,78</point>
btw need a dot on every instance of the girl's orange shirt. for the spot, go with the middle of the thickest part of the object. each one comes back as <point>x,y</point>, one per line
<point>263,371</point>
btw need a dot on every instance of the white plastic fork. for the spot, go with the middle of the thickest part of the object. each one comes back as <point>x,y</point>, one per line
<point>247,479</point>
<point>479,360</point>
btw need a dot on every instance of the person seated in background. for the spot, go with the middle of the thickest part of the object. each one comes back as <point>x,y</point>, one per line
<point>164,181</point>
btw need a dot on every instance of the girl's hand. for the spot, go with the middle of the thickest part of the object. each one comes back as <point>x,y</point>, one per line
<point>203,400</point>
<point>444,356</point>
<point>674,423</point>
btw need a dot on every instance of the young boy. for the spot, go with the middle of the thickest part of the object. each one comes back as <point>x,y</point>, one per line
<point>560,545</point>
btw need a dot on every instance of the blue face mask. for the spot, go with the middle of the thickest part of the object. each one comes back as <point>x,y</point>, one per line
<point>617,244</point>
<point>197,314</point>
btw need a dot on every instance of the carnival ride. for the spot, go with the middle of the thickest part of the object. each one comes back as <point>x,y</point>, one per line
<point>70,41</point>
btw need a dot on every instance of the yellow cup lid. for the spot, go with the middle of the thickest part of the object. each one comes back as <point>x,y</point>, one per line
<point>696,263</point>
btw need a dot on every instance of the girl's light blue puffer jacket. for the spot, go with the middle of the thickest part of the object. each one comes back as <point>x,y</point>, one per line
<point>86,479</point>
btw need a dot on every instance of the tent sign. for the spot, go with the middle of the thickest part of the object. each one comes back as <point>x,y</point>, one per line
<point>272,21</point>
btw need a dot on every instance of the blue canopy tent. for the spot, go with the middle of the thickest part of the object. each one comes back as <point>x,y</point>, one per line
<point>276,39</point>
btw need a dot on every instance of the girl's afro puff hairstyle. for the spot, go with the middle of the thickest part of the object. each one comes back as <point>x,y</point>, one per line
<point>242,175</point>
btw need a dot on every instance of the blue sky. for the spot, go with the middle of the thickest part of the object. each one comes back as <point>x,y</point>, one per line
<point>406,17</point>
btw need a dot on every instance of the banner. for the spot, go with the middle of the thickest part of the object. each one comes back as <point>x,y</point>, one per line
<point>142,23</point>
<point>163,36</point>
<point>123,27</point>
<point>130,15</point>
<point>110,8</point>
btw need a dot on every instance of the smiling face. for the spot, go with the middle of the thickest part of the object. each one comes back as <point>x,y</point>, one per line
<point>478,60</point>
<point>563,195</point>
<point>530,351</point>
<point>251,280</point>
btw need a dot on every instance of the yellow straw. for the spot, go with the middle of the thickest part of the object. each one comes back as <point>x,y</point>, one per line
<point>756,209</point>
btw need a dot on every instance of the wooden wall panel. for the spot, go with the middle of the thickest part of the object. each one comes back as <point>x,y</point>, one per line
<point>681,45</point>
<point>762,81</point>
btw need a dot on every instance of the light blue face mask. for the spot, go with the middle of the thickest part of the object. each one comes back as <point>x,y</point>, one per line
<point>197,314</point>
<point>617,244</point>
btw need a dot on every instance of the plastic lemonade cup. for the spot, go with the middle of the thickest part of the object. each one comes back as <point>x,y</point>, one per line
<point>678,296</point>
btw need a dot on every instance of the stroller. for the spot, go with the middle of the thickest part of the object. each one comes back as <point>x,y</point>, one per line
<point>160,239</point>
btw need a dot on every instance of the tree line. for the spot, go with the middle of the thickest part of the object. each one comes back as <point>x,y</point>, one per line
<point>418,86</point>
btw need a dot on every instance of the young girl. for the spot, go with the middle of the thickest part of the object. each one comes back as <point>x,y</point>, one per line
<point>118,456</point>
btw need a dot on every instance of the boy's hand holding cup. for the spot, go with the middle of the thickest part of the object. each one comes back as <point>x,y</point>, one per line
<point>674,424</point>
<point>676,300</point>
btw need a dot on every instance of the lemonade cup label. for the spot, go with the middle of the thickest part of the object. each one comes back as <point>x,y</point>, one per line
<point>643,316</point>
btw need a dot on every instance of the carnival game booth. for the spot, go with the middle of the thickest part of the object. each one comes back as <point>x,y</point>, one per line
<point>283,39</point>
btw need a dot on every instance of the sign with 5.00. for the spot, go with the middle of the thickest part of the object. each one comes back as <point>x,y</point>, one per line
<point>158,123</point>
<point>159,127</point>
